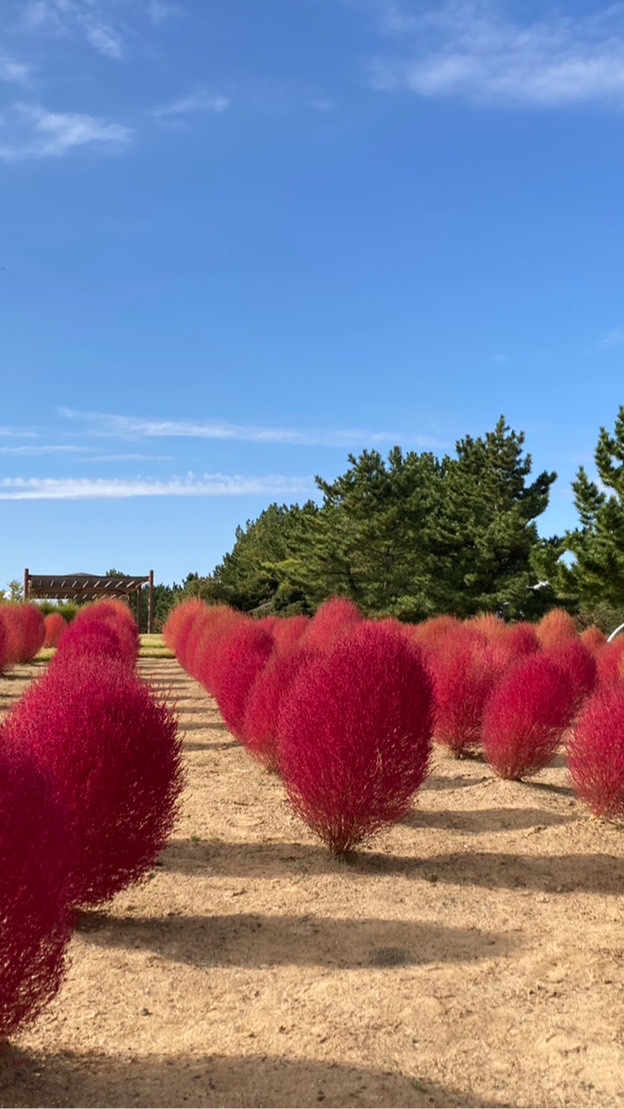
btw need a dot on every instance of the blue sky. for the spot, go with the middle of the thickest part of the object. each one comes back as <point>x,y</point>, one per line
<point>241,239</point>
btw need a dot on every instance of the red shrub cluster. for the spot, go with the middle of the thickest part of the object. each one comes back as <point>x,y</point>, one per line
<point>579,664</point>
<point>113,614</point>
<point>556,627</point>
<point>464,674</point>
<point>87,640</point>
<point>259,731</point>
<point>241,656</point>
<point>596,754</point>
<point>110,751</point>
<point>526,716</point>
<point>355,735</point>
<point>593,639</point>
<point>55,628</point>
<point>332,620</point>
<point>36,860</point>
<point>610,661</point>
<point>288,631</point>
<point>5,661</point>
<point>24,630</point>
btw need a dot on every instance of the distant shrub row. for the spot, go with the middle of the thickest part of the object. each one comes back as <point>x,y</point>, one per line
<point>347,709</point>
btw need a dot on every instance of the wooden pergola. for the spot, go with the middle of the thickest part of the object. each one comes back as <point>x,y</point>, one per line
<point>91,587</point>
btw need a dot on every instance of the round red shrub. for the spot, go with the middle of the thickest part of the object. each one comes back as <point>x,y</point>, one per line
<point>115,615</point>
<point>25,631</point>
<point>288,631</point>
<point>579,664</point>
<point>242,655</point>
<point>593,638</point>
<point>87,640</point>
<point>206,639</point>
<point>110,750</point>
<point>5,660</point>
<point>177,619</point>
<point>36,861</point>
<point>355,736</point>
<point>331,621</point>
<point>55,628</point>
<point>464,677</point>
<point>596,754</point>
<point>259,731</point>
<point>526,716</point>
<point>610,662</point>
<point>556,627</point>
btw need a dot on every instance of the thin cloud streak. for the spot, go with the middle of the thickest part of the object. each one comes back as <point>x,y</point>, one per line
<point>469,49</point>
<point>31,131</point>
<point>200,101</point>
<point>205,485</point>
<point>36,451</point>
<point>614,338</point>
<point>132,427</point>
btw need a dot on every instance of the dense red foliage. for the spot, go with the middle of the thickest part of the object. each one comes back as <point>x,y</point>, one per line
<point>593,638</point>
<point>610,661</point>
<point>526,716</point>
<point>116,616</point>
<point>111,753</point>
<point>178,618</point>
<point>556,627</point>
<point>204,650</point>
<point>259,730</point>
<point>240,657</point>
<point>331,621</point>
<point>5,660</point>
<point>596,754</point>
<point>464,676</point>
<point>515,641</point>
<point>87,640</point>
<point>55,628</point>
<point>579,664</point>
<point>432,633</point>
<point>36,859</point>
<point>25,632</point>
<point>289,630</point>
<point>355,735</point>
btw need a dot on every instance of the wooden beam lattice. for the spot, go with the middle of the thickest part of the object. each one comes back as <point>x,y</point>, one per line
<point>89,587</point>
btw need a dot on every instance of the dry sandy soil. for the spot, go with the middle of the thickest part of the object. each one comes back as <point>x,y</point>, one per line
<point>472,956</point>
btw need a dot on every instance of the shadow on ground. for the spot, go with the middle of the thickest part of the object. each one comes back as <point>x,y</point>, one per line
<point>29,1079</point>
<point>258,940</point>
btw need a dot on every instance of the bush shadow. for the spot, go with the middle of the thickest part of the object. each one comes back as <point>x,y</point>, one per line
<point>484,821</point>
<point>29,1078</point>
<point>598,873</point>
<point>258,940</point>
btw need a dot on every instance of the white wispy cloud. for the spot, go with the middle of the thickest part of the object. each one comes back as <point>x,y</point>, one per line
<point>473,50</point>
<point>134,427</point>
<point>32,450</point>
<point>613,338</point>
<point>159,10</point>
<point>32,131</point>
<point>93,20</point>
<point>205,485</point>
<point>14,72</point>
<point>17,433</point>
<point>200,101</point>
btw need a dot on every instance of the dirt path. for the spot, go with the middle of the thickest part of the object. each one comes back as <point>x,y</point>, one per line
<point>473,956</point>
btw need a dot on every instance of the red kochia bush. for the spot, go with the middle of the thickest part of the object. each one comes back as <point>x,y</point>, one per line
<point>5,660</point>
<point>331,621</point>
<point>596,754</point>
<point>526,716</point>
<point>580,666</point>
<point>110,751</point>
<point>36,860</point>
<point>115,615</point>
<point>556,627</point>
<point>289,630</point>
<point>55,628</point>
<point>178,618</point>
<point>25,631</point>
<point>464,677</point>
<point>260,724</point>
<point>87,640</point>
<point>593,638</point>
<point>610,661</point>
<point>355,736</point>
<point>241,657</point>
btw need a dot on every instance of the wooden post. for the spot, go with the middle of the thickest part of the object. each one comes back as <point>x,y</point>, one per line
<point>26,583</point>
<point>138,608</point>
<point>150,604</point>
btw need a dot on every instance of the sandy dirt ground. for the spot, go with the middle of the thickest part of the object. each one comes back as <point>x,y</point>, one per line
<point>471,956</point>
